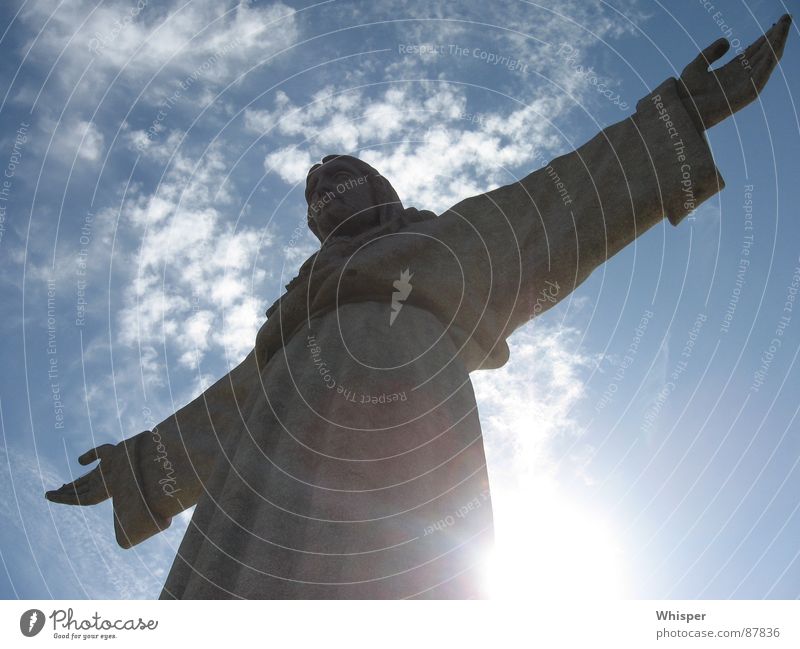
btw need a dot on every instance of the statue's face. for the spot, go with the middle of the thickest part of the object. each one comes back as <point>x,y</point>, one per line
<point>340,199</point>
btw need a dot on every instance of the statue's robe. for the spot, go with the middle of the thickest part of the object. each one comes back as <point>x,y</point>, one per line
<point>343,458</point>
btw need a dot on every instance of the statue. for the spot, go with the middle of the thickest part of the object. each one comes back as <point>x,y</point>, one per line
<point>343,457</point>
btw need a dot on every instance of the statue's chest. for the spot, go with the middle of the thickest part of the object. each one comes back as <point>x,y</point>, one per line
<point>353,373</point>
<point>395,273</point>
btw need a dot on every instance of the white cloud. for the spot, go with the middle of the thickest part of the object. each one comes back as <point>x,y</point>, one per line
<point>92,145</point>
<point>195,280</point>
<point>444,153</point>
<point>442,148</point>
<point>213,38</point>
<point>291,164</point>
<point>72,139</point>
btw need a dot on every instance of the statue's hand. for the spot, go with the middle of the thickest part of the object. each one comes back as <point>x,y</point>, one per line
<point>714,95</point>
<point>95,486</point>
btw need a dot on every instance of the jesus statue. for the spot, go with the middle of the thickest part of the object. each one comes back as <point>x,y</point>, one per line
<point>343,458</point>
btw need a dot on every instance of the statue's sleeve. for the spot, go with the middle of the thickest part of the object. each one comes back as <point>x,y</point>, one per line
<point>166,467</point>
<point>525,246</point>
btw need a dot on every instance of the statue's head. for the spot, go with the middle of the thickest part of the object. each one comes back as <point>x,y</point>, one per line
<point>346,197</point>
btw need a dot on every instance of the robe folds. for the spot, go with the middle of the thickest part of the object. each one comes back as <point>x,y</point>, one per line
<point>343,458</point>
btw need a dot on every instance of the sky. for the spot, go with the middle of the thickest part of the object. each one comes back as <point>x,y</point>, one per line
<point>642,442</point>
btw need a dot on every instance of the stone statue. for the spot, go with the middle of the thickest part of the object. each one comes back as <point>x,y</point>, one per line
<point>343,457</point>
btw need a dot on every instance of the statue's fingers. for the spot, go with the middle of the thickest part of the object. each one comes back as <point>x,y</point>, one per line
<point>80,492</point>
<point>712,53</point>
<point>773,42</point>
<point>95,490</point>
<point>780,32</point>
<point>751,51</point>
<point>62,497</point>
<point>80,485</point>
<point>73,498</point>
<point>769,44</point>
<point>764,59</point>
<point>94,454</point>
<point>762,70</point>
<point>68,494</point>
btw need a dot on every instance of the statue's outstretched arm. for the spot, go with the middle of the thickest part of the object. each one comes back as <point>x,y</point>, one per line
<point>159,473</point>
<point>539,238</point>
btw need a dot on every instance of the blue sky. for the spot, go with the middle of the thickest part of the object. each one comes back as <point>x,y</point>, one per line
<point>153,209</point>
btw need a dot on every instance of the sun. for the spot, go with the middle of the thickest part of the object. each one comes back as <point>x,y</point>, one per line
<point>551,548</point>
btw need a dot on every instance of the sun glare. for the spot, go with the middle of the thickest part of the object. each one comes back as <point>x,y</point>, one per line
<point>552,549</point>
